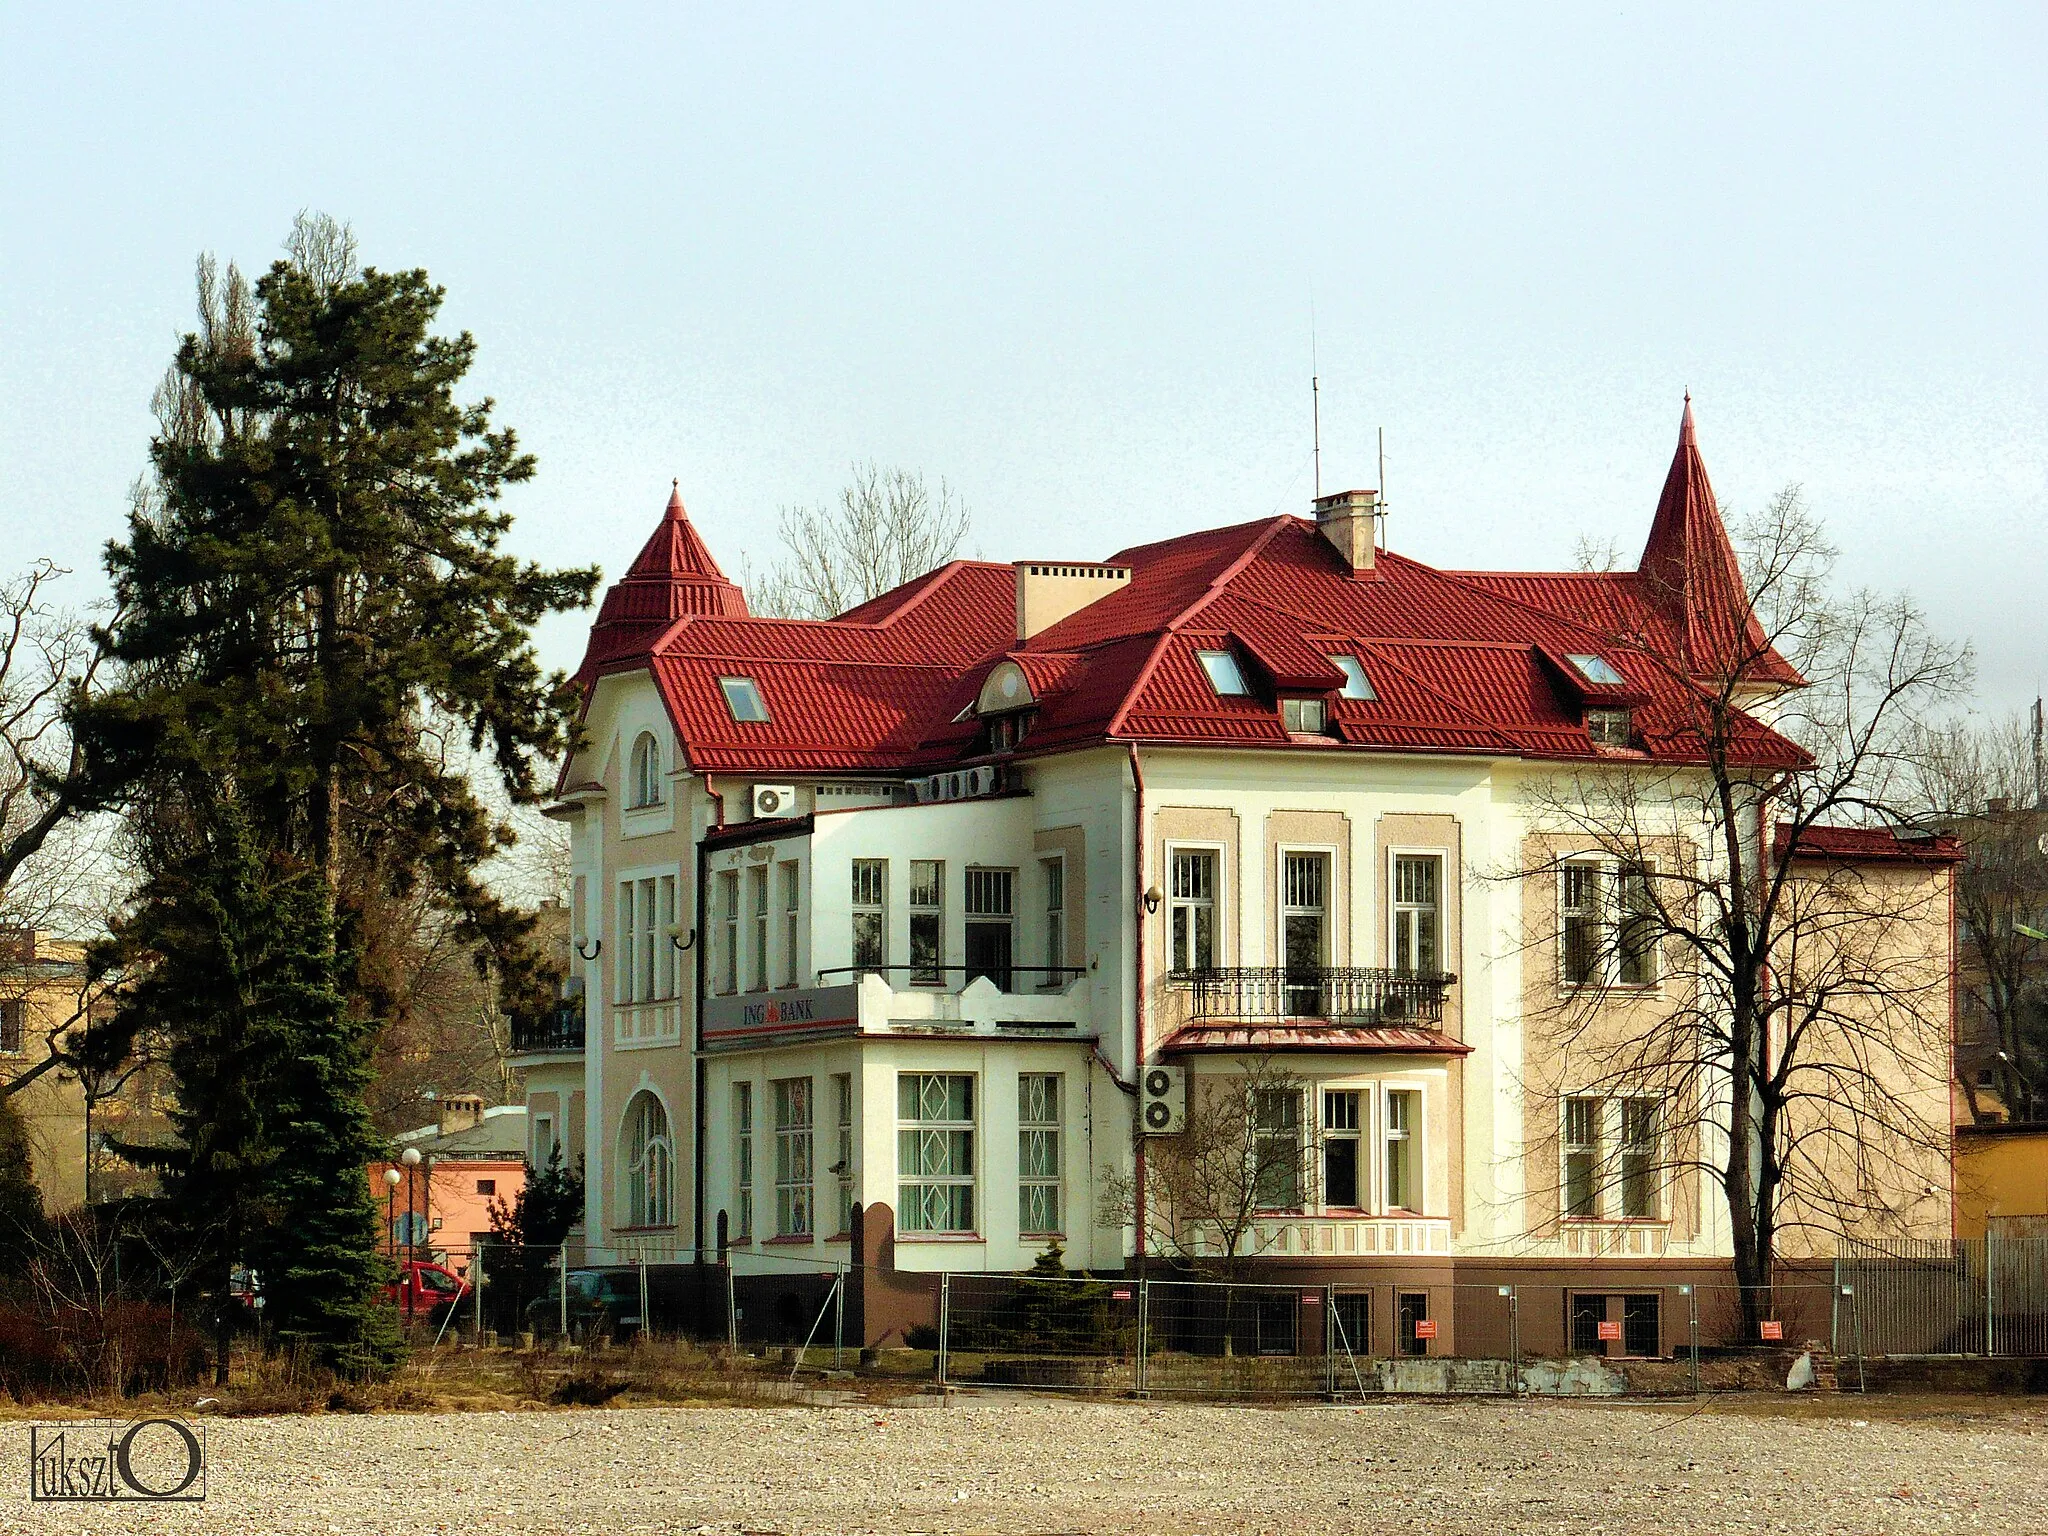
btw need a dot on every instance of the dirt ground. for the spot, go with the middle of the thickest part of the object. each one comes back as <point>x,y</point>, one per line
<point>1029,1465</point>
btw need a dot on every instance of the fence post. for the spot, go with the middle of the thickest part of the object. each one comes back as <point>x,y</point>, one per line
<point>1330,1342</point>
<point>562,1265</point>
<point>1514,1296</point>
<point>477,1263</point>
<point>1144,1334</point>
<point>1692,1329</point>
<point>945,1318</point>
<point>839,1321</point>
<point>1990,1299</point>
<point>646,1317</point>
<point>1856,1325</point>
<point>732,1311</point>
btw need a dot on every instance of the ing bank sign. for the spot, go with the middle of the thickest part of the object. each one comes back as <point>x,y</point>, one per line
<point>756,1019</point>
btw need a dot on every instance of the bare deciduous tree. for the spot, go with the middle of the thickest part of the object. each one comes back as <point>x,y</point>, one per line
<point>1800,1002</point>
<point>887,529</point>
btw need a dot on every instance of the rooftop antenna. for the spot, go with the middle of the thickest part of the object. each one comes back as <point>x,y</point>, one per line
<point>2040,762</point>
<point>1383,488</point>
<point>1315,399</point>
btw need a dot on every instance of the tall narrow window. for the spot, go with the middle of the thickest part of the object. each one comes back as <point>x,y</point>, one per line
<point>757,905</point>
<point>1304,930</point>
<point>646,773</point>
<point>728,930</point>
<point>842,1169</point>
<point>1276,1183</point>
<point>1639,1159</point>
<point>1581,1157</point>
<point>870,914</point>
<point>1340,1149</point>
<point>1580,947</point>
<point>927,921</point>
<point>664,921</point>
<point>1635,938</point>
<point>787,874</point>
<point>1404,1121</point>
<point>650,1164</point>
<point>1192,919</point>
<point>935,1151</point>
<point>1416,909</point>
<point>1038,1154</point>
<point>1054,874</point>
<point>743,1158</point>
<point>792,1156</point>
<point>643,943</point>
<point>624,974</point>
<point>991,915</point>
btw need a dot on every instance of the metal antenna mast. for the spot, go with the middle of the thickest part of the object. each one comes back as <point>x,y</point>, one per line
<point>1315,399</point>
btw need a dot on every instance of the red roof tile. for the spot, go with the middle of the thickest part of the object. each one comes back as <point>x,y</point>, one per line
<point>1863,845</point>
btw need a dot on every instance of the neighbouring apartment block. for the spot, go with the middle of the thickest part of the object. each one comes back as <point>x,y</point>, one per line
<point>891,929</point>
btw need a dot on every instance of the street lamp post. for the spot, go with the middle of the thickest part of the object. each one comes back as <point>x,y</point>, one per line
<point>392,1179</point>
<point>411,1158</point>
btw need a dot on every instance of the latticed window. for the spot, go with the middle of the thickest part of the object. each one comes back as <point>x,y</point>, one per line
<point>650,1164</point>
<point>870,914</point>
<point>743,1158</point>
<point>791,896</point>
<point>792,1156</point>
<point>1580,939</point>
<point>927,921</point>
<point>1403,1150</point>
<point>1304,929</point>
<point>1639,1158</point>
<point>1635,940</point>
<point>1038,1154</point>
<point>935,1151</point>
<point>1581,1157</point>
<point>1608,924</point>
<point>991,915</point>
<point>842,1093</point>
<point>757,905</point>
<point>1055,875</point>
<point>729,930</point>
<point>1193,916</point>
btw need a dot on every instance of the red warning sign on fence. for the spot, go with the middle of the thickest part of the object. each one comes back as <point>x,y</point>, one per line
<point>1425,1328</point>
<point>1771,1329</point>
<point>1312,1298</point>
<point>1121,1293</point>
<point>1610,1331</point>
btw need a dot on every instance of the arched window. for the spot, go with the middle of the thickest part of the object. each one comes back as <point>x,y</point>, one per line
<point>650,1162</point>
<point>646,786</point>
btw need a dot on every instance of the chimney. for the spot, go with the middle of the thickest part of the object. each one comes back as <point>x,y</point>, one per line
<point>1345,518</point>
<point>461,1112</point>
<point>1047,592</point>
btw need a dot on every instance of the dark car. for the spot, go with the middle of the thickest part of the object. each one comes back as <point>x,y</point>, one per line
<point>603,1303</point>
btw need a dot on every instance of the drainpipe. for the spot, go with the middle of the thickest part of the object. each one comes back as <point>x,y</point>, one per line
<point>697,1042</point>
<point>1138,993</point>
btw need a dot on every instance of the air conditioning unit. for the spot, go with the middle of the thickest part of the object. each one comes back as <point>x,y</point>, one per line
<point>983,780</point>
<point>774,800</point>
<point>1163,1100</point>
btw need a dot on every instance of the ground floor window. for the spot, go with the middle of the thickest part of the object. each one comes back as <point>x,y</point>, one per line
<point>792,1156</point>
<point>1412,1311</point>
<point>935,1151</point>
<point>650,1164</point>
<point>1631,1323</point>
<point>1354,1322</point>
<point>1038,1154</point>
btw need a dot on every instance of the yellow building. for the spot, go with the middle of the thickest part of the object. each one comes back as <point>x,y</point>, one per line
<point>2002,1180</point>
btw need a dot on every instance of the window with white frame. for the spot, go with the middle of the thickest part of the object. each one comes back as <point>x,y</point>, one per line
<point>1304,929</point>
<point>1053,877</point>
<point>792,891</point>
<point>1342,1142</point>
<point>1403,1156</point>
<point>650,1164</point>
<point>757,904</point>
<point>870,914</point>
<point>1416,913</point>
<point>842,1169</point>
<point>991,923</point>
<point>1356,684</point>
<point>927,921</point>
<point>1224,675</point>
<point>1303,717</point>
<point>728,911</point>
<point>1191,916</point>
<point>646,968</point>
<point>935,1152</point>
<point>1276,1149</point>
<point>645,789</point>
<point>1613,1157</point>
<point>1607,924</point>
<point>1038,1154</point>
<point>743,700</point>
<point>793,1183</point>
<point>544,1145</point>
<point>743,1159</point>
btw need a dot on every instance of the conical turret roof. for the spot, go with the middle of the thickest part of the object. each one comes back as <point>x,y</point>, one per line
<point>673,577</point>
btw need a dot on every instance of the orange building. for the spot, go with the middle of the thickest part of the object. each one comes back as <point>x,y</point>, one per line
<point>440,1206</point>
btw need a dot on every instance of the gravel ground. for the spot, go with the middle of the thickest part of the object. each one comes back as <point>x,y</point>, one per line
<point>1028,1465</point>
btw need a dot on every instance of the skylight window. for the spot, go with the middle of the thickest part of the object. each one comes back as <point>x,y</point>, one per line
<point>1356,684</point>
<point>1597,670</point>
<point>744,700</point>
<point>1224,675</point>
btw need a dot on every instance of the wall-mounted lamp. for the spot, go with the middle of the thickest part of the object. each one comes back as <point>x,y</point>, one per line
<point>1152,899</point>
<point>589,949</point>
<point>675,936</point>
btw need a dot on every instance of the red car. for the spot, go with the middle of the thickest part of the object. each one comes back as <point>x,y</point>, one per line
<point>422,1289</point>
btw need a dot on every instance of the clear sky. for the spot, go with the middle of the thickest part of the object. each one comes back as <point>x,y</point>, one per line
<point>1067,262</point>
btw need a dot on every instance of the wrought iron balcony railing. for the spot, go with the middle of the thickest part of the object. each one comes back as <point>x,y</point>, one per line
<point>1325,992</point>
<point>560,1028</point>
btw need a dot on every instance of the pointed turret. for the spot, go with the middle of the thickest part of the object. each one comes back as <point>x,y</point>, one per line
<point>673,577</point>
<point>1690,574</point>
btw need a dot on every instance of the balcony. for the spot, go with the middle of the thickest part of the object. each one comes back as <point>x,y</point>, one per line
<point>1336,994</point>
<point>559,1029</point>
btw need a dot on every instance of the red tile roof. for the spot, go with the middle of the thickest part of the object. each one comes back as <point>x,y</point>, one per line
<point>1863,845</point>
<point>1461,662</point>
